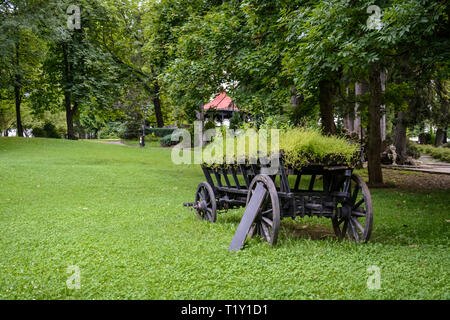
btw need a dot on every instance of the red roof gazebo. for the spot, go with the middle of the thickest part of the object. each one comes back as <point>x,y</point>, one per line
<point>220,108</point>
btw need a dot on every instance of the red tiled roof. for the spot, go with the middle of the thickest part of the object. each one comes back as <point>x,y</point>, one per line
<point>221,102</point>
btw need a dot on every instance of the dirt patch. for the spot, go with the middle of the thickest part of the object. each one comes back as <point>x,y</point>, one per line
<point>306,231</point>
<point>415,181</point>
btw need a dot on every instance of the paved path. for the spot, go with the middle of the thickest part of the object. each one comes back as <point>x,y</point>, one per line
<point>120,143</point>
<point>429,165</point>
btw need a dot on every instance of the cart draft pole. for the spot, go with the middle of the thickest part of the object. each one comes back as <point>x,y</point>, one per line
<point>252,209</point>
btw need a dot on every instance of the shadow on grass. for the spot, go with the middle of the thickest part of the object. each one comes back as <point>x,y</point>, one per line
<point>292,230</point>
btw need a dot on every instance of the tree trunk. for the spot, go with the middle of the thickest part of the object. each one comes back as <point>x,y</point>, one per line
<point>69,116</point>
<point>383,107</point>
<point>440,137</point>
<point>18,116</point>
<point>360,89</point>
<point>296,102</point>
<point>17,94</point>
<point>374,138</point>
<point>441,133</point>
<point>68,94</point>
<point>157,104</point>
<point>400,137</point>
<point>326,107</point>
<point>349,118</point>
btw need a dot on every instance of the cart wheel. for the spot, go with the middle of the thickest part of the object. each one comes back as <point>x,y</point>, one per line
<point>206,202</point>
<point>356,216</point>
<point>267,221</point>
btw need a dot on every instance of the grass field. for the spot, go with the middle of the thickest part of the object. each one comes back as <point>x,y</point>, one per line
<point>116,213</point>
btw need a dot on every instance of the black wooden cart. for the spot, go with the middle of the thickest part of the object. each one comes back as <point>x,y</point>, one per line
<point>333,192</point>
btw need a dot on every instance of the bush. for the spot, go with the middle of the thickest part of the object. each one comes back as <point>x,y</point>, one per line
<point>210,124</point>
<point>38,132</point>
<point>48,130</point>
<point>130,129</point>
<point>166,141</point>
<point>111,130</point>
<point>235,121</point>
<point>442,154</point>
<point>412,149</point>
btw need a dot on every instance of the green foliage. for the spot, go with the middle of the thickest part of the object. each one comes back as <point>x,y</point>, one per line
<point>210,124</point>
<point>439,153</point>
<point>130,129</point>
<point>111,130</point>
<point>236,120</point>
<point>300,147</point>
<point>48,130</point>
<point>412,149</point>
<point>166,141</point>
<point>159,132</point>
<point>306,146</point>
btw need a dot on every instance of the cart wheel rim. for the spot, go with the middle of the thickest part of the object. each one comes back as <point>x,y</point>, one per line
<point>267,221</point>
<point>356,225</point>
<point>206,202</point>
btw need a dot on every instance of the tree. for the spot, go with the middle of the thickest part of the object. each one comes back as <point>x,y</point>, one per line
<point>19,48</point>
<point>75,68</point>
<point>234,47</point>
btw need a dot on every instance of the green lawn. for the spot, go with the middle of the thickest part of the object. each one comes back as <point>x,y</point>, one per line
<point>116,213</point>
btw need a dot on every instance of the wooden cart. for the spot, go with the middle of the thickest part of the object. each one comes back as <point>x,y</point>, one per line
<point>333,192</point>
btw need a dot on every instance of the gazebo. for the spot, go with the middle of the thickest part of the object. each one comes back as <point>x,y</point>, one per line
<point>220,109</point>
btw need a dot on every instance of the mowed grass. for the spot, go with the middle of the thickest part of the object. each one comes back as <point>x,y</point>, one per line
<point>116,212</point>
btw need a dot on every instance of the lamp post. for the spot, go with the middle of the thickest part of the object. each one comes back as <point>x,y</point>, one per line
<point>142,140</point>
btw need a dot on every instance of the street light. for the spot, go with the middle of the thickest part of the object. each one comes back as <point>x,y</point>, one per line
<point>142,140</point>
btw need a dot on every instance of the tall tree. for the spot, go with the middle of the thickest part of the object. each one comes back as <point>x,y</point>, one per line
<point>19,48</point>
<point>75,67</point>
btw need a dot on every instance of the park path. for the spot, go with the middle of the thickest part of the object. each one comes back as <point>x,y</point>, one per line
<point>429,165</point>
<point>120,143</point>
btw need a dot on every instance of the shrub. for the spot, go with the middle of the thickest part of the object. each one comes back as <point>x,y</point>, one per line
<point>412,149</point>
<point>210,124</point>
<point>38,132</point>
<point>130,129</point>
<point>111,130</point>
<point>166,141</point>
<point>235,121</point>
<point>442,154</point>
<point>48,130</point>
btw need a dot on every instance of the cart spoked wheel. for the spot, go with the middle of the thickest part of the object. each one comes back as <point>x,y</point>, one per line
<point>267,221</point>
<point>205,202</point>
<point>356,214</point>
